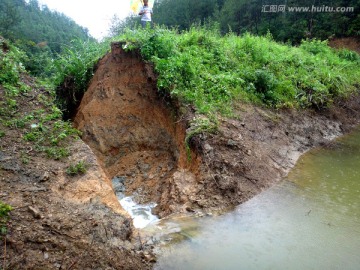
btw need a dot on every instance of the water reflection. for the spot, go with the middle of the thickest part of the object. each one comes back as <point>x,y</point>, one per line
<point>309,221</point>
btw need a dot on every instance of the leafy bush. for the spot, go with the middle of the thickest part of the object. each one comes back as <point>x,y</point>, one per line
<point>349,55</point>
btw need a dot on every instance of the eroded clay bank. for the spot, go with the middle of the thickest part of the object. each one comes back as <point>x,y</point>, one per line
<point>139,135</point>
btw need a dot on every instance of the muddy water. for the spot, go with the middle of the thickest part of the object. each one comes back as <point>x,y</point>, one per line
<point>309,221</point>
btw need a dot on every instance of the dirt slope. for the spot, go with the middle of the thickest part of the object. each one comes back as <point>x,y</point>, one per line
<point>58,221</point>
<point>139,138</point>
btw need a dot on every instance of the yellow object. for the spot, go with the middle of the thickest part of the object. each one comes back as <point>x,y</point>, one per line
<point>136,5</point>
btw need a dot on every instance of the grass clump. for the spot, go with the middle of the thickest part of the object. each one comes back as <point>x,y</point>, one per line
<point>201,67</point>
<point>76,169</point>
<point>4,217</point>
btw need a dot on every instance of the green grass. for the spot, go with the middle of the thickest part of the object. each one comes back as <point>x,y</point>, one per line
<point>213,72</point>
<point>76,169</point>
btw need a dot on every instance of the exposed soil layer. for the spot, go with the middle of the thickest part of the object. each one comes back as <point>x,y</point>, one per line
<point>350,43</point>
<point>134,134</point>
<point>138,137</point>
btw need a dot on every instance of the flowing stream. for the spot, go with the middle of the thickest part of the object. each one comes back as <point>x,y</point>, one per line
<point>311,220</point>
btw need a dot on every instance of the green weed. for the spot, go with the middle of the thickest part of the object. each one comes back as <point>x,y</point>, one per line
<point>51,138</point>
<point>78,168</point>
<point>55,152</point>
<point>25,158</point>
<point>4,217</point>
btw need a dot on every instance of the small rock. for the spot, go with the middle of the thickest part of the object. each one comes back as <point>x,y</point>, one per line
<point>45,177</point>
<point>46,255</point>
<point>170,167</point>
<point>35,189</point>
<point>35,212</point>
<point>248,152</point>
<point>143,167</point>
<point>231,142</point>
<point>150,258</point>
<point>208,148</point>
<point>150,242</point>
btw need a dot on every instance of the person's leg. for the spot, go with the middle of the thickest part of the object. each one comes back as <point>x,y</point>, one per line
<point>143,24</point>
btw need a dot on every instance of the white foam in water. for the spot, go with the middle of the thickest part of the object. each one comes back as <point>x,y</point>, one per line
<point>141,213</point>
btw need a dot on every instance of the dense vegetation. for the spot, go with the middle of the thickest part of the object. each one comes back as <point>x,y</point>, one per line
<point>255,16</point>
<point>202,67</point>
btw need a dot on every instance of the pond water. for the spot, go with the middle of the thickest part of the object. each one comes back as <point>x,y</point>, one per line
<point>311,220</point>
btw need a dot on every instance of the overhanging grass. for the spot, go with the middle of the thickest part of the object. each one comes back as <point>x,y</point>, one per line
<point>212,72</point>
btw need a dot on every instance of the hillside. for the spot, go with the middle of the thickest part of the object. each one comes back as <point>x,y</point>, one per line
<point>194,121</point>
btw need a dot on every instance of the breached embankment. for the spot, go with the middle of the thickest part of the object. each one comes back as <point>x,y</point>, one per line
<point>139,137</point>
